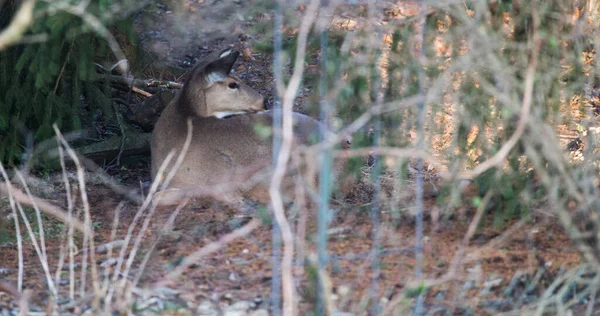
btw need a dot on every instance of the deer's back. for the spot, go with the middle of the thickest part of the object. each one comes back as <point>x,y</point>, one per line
<point>223,150</point>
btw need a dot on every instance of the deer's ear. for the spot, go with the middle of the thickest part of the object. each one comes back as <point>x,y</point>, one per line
<point>219,69</point>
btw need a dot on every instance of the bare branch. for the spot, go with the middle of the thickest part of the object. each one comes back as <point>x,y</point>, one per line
<point>283,158</point>
<point>499,157</point>
<point>18,26</point>
<point>48,208</point>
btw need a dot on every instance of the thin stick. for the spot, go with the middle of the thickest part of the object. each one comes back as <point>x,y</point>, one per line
<point>129,234</point>
<point>140,91</point>
<point>138,214</point>
<point>141,233</point>
<point>87,220</point>
<point>363,119</point>
<point>499,157</point>
<point>458,258</point>
<point>208,249</point>
<point>398,153</point>
<point>38,216</point>
<point>38,251</point>
<point>113,237</point>
<point>18,26</point>
<point>184,150</point>
<point>24,303</point>
<point>48,208</point>
<point>166,228</point>
<point>70,239</point>
<point>282,161</point>
<point>13,207</point>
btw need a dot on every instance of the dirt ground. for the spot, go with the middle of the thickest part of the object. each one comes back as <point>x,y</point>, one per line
<point>242,270</point>
<point>179,37</point>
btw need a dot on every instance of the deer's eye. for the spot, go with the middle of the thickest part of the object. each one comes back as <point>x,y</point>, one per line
<point>233,85</point>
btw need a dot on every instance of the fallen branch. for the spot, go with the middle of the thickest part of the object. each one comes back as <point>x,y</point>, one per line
<point>141,92</point>
<point>137,143</point>
<point>132,82</point>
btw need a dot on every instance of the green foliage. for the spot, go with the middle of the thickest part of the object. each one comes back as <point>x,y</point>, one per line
<point>475,90</point>
<point>49,82</point>
<point>416,291</point>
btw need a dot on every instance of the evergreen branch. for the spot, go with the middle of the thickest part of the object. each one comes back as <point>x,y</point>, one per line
<point>96,24</point>
<point>20,23</point>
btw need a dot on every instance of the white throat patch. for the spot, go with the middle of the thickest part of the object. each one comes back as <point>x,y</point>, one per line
<point>222,115</point>
<point>225,53</point>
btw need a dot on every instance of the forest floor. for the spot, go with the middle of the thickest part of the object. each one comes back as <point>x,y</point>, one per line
<point>241,271</point>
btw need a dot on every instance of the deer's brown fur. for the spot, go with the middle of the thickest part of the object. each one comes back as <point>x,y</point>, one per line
<point>225,146</point>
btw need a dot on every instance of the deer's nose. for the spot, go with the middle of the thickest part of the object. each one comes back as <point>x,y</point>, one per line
<point>267,104</point>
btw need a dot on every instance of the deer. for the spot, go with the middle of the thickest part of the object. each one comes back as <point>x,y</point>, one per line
<point>225,147</point>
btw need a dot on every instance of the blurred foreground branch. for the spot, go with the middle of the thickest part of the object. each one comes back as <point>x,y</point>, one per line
<point>17,27</point>
<point>48,208</point>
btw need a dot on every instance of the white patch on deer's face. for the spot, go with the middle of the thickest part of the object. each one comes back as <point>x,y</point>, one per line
<point>214,77</point>
<point>222,115</point>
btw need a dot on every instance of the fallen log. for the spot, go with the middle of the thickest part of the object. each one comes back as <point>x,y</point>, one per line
<point>104,152</point>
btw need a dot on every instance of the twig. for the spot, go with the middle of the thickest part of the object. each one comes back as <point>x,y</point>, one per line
<point>363,119</point>
<point>398,153</point>
<point>499,157</point>
<point>62,69</point>
<point>166,228</point>
<point>165,184</point>
<point>36,246</point>
<point>139,213</point>
<point>141,83</point>
<point>18,26</point>
<point>186,146</point>
<point>13,207</point>
<point>113,236</point>
<point>70,237</point>
<point>48,208</point>
<point>208,249</point>
<point>283,158</point>
<point>140,91</point>
<point>125,191</point>
<point>87,220</point>
<point>117,160</point>
<point>459,255</point>
<point>10,289</point>
<point>128,236</point>
<point>24,303</point>
<point>301,226</point>
<point>178,162</point>
<point>38,216</point>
